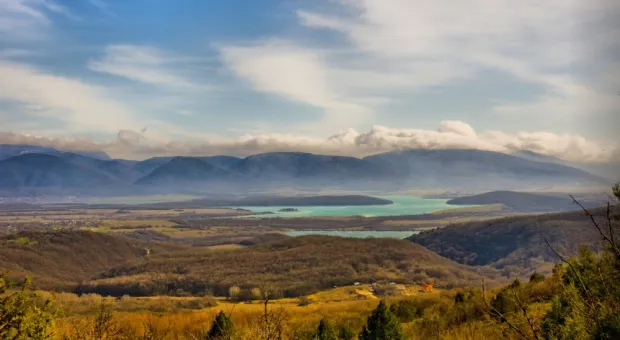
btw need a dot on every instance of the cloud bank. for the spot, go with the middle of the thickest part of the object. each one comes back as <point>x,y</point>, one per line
<point>388,49</point>
<point>450,134</point>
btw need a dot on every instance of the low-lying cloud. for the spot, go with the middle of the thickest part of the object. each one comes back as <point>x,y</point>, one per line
<point>450,134</point>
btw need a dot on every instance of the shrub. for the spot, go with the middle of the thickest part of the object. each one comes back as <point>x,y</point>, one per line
<point>21,315</point>
<point>406,310</point>
<point>303,301</point>
<point>222,328</point>
<point>536,278</point>
<point>325,331</point>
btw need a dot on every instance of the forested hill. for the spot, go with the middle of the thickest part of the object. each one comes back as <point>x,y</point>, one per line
<point>515,244</point>
<point>519,201</point>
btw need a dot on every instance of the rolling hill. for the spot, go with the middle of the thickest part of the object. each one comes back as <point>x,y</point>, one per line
<point>297,266</point>
<point>48,171</point>
<point>115,265</point>
<point>61,259</point>
<point>519,201</point>
<point>514,244</point>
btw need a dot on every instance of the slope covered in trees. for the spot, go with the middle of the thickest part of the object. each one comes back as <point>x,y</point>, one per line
<point>516,245</point>
<point>296,266</point>
<point>61,259</point>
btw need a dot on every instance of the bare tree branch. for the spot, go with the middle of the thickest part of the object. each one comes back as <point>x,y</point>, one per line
<point>583,285</point>
<point>525,314</point>
<point>498,313</point>
<point>611,242</point>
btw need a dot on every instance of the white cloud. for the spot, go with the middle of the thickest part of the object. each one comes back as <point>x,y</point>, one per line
<point>77,105</point>
<point>297,74</point>
<point>27,20</point>
<point>395,47</point>
<point>147,65</point>
<point>450,134</point>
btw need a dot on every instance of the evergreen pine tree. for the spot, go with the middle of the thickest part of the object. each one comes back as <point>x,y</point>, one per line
<point>222,328</point>
<point>381,325</point>
<point>325,331</point>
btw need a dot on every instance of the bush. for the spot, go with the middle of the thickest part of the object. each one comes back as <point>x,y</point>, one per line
<point>22,316</point>
<point>536,278</point>
<point>222,328</point>
<point>303,301</point>
<point>406,310</point>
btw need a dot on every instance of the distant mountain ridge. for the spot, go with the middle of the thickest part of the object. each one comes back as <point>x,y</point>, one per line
<point>417,168</point>
<point>187,169</point>
<point>11,150</point>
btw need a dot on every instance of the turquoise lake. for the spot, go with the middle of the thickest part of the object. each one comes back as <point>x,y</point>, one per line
<point>355,234</point>
<point>403,205</point>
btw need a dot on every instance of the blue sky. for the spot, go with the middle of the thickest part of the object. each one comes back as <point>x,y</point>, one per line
<point>152,77</point>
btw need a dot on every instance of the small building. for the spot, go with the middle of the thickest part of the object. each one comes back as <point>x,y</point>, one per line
<point>427,287</point>
<point>356,284</point>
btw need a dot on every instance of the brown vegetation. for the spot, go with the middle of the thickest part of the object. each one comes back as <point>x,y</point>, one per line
<point>515,245</point>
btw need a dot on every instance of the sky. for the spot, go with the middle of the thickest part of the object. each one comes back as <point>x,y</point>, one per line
<point>145,78</point>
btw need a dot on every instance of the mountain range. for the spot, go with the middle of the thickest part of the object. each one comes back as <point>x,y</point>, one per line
<point>31,167</point>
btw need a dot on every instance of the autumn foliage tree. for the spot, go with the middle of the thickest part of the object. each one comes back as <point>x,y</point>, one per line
<point>22,313</point>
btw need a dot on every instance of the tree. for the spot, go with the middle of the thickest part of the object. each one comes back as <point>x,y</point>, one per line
<point>381,325</point>
<point>22,314</point>
<point>536,277</point>
<point>346,333</point>
<point>588,307</point>
<point>222,328</point>
<point>325,331</point>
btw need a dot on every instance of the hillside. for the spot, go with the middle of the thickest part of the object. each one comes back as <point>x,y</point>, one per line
<point>61,259</point>
<point>421,169</point>
<point>43,170</point>
<point>116,169</point>
<point>148,165</point>
<point>519,201</point>
<point>514,244</point>
<point>297,165</point>
<point>188,170</point>
<point>12,150</point>
<point>478,169</point>
<point>296,265</point>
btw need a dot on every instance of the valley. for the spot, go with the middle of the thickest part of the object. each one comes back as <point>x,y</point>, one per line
<point>163,246</point>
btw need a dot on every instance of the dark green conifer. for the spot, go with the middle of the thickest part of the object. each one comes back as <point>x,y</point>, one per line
<point>381,325</point>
